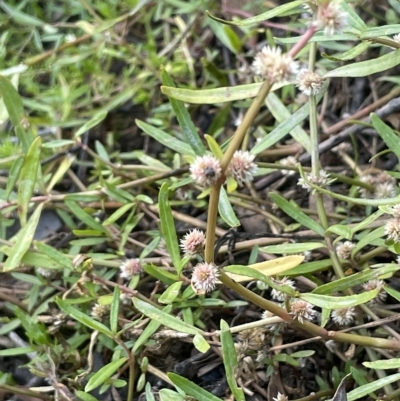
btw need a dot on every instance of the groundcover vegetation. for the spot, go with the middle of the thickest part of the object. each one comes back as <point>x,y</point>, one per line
<point>199,200</point>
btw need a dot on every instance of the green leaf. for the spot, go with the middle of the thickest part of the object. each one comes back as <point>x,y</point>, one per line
<point>192,389</point>
<point>53,254</point>
<point>164,318</point>
<point>170,395</point>
<point>95,120</point>
<point>309,267</point>
<point>353,18</point>
<point>393,363</point>
<point>368,238</point>
<point>383,30</point>
<point>292,248</point>
<point>170,294</point>
<point>226,35</point>
<point>101,376</point>
<point>114,310</point>
<point>368,67</point>
<point>371,387</point>
<point>13,175</point>
<point>386,133</point>
<point>165,139</point>
<point>84,217</point>
<point>15,108</point>
<point>168,226</point>
<point>214,147</point>
<point>330,302</point>
<point>27,179</point>
<point>150,329</point>
<point>23,241</point>
<point>160,274</point>
<point>184,119</point>
<point>82,395</point>
<point>118,213</point>
<point>15,351</point>
<point>226,211</point>
<point>200,343</point>
<point>286,359</point>
<point>230,361</point>
<point>350,54</point>
<point>341,230</point>
<point>296,214</point>
<point>392,292</point>
<point>281,114</point>
<point>287,125</point>
<point>302,354</point>
<point>83,318</point>
<point>217,95</point>
<point>366,222</point>
<point>274,12</point>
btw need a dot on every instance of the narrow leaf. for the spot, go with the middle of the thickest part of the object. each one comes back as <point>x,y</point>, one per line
<point>184,119</point>
<point>23,241</point>
<point>101,376</point>
<point>27,179</point>
<point>114,310</point>
<point>296,214</point>
<point>200,343</point>
<point>170,294</point>
<point>292,248</point>
<point>84,217</point>
<point>54,254</point>
<point>168,226</point>
<point>13,175</point>
<point>330,302</point>
<point>226,211</point>
<point>393,363</point>
<point>387,134</point>
<point>95,120</point>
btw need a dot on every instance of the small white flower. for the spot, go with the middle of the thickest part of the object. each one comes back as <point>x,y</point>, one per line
<point>48,273</point>
<point>130,268</point>
<point>271,64</point>
<point>280,397</point>
<point>385,190</point>
<point>100,311</point>
<point>204,277</point>
<point>343,249</point>
<point>241,167</point>
<point>70,37</point>
<point>330,17</point>
<point>343,316</point>
<point>274,327</point>
<point>372,284</point>
<point>396,38</point>
<point>322,180</point>
<point>279,295</point>
<point>309,82</point>
<point>205,170</point>
<point>193,243</point>
<point>392,229</point>
<point>302,310</point>
<point>289,161</point>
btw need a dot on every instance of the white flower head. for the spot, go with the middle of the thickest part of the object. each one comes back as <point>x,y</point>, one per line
<point>100,311</point>
<point>302,310</point>
<point>48,273</point>
<point>322,180</point>
<point>309,82</point>
<point>280,397</point>
<point>279,295</point>
<point>193,243</point>
<point>372,284</point>
<point>343,249</point>
<point>271,64</point>
<point>241,167</point>
<point>396,38</point>
<point>392,229</point>
<point>129,268</point>
<point>330,17</point>
<point>385,190</point>
<point>204,277</point>
<point>289,161</point>
<point>343,316</point>
<point>205,170</point>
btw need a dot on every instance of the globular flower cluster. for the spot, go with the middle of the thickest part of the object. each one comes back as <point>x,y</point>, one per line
<point>302,310</point>
<point>372,285</point>
<point>271,64</point>
<point>383,186</point>
<point>241,167</point>
<point>130,268</point>
<point>322,180</point>
<point>330,17</point>
<point>343,249</point>
<point>289,161</point>
<point>205,170</point>
<point>279,295</point>
<point>100,311</point>
<point>274,327</point>
<point>309,82</point>
<point>193,242</point>
<point>343,316</point>
<point>204,277</point>
<point>280,397</point>
<point>392,229</point>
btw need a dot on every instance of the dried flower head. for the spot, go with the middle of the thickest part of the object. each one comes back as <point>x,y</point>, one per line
<point>302,310</point>
<point>392,229</point>
<point>343,249</point>
<point>273,327</point>
<point>396,38</point>
<point>343,316</point>
<point>193,243</point>
<point>289,161</point>
<point>322,180</point>
<point>271,64</point>
<point>309,82</point>
<point>100,311</point>
<point>330,17</point>
<point>130,268</point>
<point>241,167</point>
<point>372,284</point>
<point>205,170</point>
<point>280,397</point>
<point>204,277</point>
<point>279,295</point>
<point>385,190</point>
